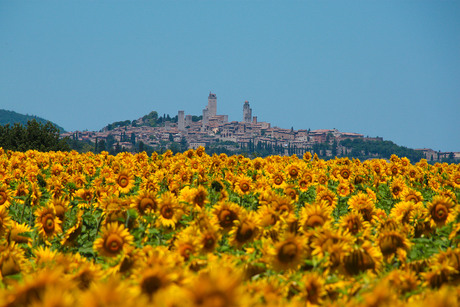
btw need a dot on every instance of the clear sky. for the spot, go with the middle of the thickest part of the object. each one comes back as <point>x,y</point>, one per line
<point>379,68</point>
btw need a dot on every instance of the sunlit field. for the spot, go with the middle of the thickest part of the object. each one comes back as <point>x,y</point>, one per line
<point>197,230</point>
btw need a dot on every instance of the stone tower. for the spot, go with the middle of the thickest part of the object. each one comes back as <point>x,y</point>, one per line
<point>212,104</point>
<point>181,121</point>
<point>247,112</point>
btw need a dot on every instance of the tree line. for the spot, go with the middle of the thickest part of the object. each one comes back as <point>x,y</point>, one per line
<point>33,135</point>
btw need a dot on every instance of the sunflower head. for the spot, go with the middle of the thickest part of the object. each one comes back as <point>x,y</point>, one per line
<point>441,210</point>
<point>327,196</point>
<point>49,225</point>
<point>124,181</point>
<point>315,215</point>
<point>288,254</point>
<point>245,230</point>
<point>115,240</point>
<point>145,202</point>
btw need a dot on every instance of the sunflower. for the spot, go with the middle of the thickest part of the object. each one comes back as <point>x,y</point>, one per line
<point>277,179</point>
<point>283,205</point>
<point>245,230</point>
<point>21,192</point>
<point>217,286</point>
<point>327,196</point>
<point>345,172</point>
<point>145,202</point>
<point>186,243</point>
<point>16,233</point>
<point>413,174</point>
<point>439,274</point>
<point>403,281</point>
<point>85,196</point>
<point>34,287</point>
<point>169,210</point>
<point>5,196</point>
<point>150,183</point>
<point>267,216</point>
<point>5,221</point>
<point>258,163</point>
<point>85,275</point>
<point>363,258</point>
<point>112,292</point>
<point>61,206</point>
<point>398,187</point>
<point>313,289</point>
<point>243,184</point>
<point>71,234</point>
<point>49,225</point>
<point>226,213</point>
<point>412,195</point>
<point>455,179</point>
<point>287,254</point>
<point>208,239</point>
<point>362,204</point>
<point>344,189</point>
<point>12,260</point>
<point>354,223</point>
<point>441,211</point>
<point>321,178</point>
<point>323,240</point>
<point>152,279</point>
<point>307,156</point>
<point>315,215</point>
<point>115,239</point>
<point>124,181</point>
<point>393,242</point>
<point>293,170</point>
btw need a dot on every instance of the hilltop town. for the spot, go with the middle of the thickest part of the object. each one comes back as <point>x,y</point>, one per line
<point>211,128</point>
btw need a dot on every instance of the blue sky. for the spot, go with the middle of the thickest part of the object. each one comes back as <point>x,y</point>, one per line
<point>379,68</point>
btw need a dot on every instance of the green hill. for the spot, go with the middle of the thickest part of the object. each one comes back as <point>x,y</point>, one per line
<point>11,117</point>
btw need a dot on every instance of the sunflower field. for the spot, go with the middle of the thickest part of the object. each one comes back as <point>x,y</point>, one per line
<point>197,230</point>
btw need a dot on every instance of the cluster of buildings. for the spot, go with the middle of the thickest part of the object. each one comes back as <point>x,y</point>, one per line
<point>214,128</point>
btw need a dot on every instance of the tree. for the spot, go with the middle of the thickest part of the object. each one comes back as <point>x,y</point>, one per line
<point>33,136</point>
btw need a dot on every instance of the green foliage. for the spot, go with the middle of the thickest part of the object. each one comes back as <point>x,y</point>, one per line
<point>379,149</point>
<point>11,118</point>
<point>33,136</point>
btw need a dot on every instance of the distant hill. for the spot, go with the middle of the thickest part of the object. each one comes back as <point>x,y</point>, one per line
<point>11,117</point>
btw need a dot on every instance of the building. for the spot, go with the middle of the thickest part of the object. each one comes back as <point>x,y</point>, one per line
<point>247,112</point>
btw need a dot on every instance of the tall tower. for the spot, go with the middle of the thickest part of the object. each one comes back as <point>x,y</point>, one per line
<point>212,104</point>
<point>247,112</point>
<point>181,121</point>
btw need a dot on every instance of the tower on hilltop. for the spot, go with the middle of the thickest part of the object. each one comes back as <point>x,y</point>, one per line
<point>247,112</point>
<point>212,104</point>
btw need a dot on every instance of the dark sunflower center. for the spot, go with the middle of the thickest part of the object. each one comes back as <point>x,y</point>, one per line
<point>244,233</point>
<point>226,218</point>
<point>278,180</point>
<point>151,284</point>
<point>167,212</point>
<point>244,187</point>
<point>2,197</point>
<point>315,220</point>
<point>48,225</point>
<point>440,213</point>
<point>123,181</point>
<point>113,243</point>
<point>287,252</point>
<point>209,242</point>
<point>147,203</point>
<point>389,244</point>
<point>199,199</point>
<point>353,226</point>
